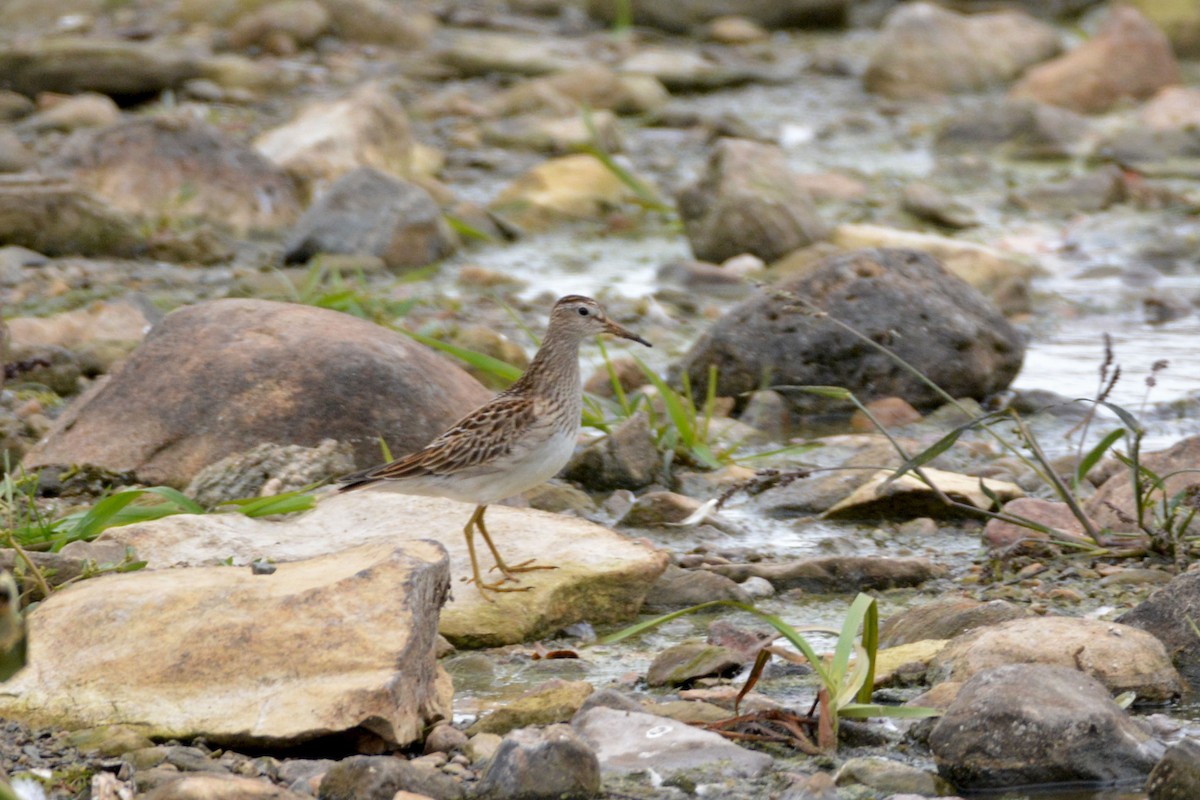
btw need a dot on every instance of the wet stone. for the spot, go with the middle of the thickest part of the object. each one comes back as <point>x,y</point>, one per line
<point>1177,775</point>
<point>544,763</point>
<point>628,742</point>
<point>380,777</point>
<point>684,663</point>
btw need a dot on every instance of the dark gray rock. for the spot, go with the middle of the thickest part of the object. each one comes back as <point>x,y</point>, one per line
<point>1036,724</point>
<point>836,573</point>
<point>1177,775</point>
<point>678,588</point>
<point>366,212</point>
<point>270,469</point>
<point>380,777</point>
<point>550,763</point>
<point>58,218</point>
<point>628,458</point>
<point>1024,128</point>
<point>748,201</point>
<point>213,379</point>
<point>609,698</point>
<point>1091,192</point>
<point>902,299</point>
<point>925,49</point>
<point>70,65</point>
<point>1170,614</point>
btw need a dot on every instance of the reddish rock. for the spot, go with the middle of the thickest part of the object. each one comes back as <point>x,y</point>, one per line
<point>1128,58</point>
<point>221,377</point>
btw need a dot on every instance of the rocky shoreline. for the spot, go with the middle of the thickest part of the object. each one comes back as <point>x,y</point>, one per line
<point>246,248</point>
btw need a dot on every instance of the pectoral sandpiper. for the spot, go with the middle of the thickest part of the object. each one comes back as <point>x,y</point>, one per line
<point>517,440</point>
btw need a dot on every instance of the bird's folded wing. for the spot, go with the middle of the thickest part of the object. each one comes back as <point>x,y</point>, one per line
<point>487,434</point>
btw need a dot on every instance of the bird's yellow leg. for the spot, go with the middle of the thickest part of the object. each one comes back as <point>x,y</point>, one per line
<point>469,532</point>
<point>505,570</point>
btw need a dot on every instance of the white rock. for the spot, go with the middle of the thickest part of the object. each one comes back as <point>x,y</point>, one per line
<point>627,741</point>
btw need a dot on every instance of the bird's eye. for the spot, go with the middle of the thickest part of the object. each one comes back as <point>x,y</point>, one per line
<point>583,312</point>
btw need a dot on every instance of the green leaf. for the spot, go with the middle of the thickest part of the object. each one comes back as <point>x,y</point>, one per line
<point>486,363</point>
<point>286,503</point>
<point>865,710</point>
<point>1094,455</point>
<point>942,445</point>
<point>185,504</point>
<point>832,392</point>
<point>1127,419</point>
<point>466,230</point>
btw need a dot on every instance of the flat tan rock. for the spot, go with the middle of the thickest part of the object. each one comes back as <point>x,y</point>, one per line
<point>909,496</point>
<point>1121,657</point>
<point>321,646</point>
<point>327,139</point>
<point>601,577</point>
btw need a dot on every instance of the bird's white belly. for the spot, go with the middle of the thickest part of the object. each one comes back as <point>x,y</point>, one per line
<point>497,480</point>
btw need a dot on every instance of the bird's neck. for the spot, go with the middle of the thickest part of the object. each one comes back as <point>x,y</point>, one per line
<point>555,368</point>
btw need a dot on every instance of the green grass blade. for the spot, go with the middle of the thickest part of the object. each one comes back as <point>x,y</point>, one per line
<point>846,638</point>
<point>492,366</point>
<point>865,710</point>
<point>942,445</point>
<point>286,503</point>
<point>646,625</point>
<point>185,504</point>
<point>98,517</point>
<point>1094,455</point>
<point>466,230</point>
<point>1127,419</point>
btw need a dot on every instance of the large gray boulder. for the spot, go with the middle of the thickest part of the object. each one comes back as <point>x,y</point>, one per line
<point>221,377</point>
<point>1024,724</point>
<point>902,299</point>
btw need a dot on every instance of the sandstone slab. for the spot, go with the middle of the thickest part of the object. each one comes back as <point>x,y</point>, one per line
<point>320,647</point>
<point>601,577</point>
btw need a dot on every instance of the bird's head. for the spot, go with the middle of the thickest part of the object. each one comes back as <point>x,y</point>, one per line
<point>584,317</point>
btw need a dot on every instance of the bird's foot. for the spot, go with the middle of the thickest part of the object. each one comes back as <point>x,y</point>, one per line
<point>525,566</point>
<point>498,586</point>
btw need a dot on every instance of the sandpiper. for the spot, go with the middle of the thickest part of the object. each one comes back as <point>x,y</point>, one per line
<point>517,440</point>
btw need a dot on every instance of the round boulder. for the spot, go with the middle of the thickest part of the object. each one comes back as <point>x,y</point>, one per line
<point>1026,724</point>
<point>748,201</point>
<point>221,377</point>
<point>179,169</point>
<point>902,299</point>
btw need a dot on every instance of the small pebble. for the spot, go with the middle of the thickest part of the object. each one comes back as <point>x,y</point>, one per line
<point>758,588</point>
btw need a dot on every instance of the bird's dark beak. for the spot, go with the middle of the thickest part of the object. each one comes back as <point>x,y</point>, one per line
<point>617,330</point>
